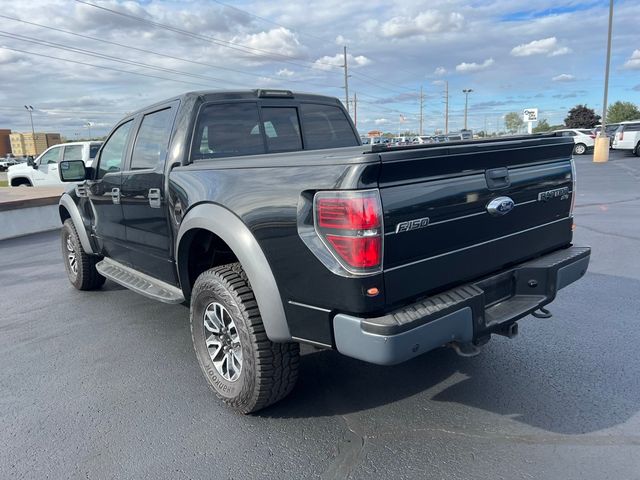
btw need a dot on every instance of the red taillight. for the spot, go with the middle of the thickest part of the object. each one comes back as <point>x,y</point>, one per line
<point>350,223</point>
<point>359,213</point>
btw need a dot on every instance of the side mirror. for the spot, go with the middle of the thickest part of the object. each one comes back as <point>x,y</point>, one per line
<point>72,171</point>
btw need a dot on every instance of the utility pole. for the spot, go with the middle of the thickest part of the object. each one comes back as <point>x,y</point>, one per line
<point>466,92</point>
<point>421,107</point>
<point>88,125</point>
<point>355,109</point>
<point>346,79</point>
<point>601,150</point>
<point>446,107</point>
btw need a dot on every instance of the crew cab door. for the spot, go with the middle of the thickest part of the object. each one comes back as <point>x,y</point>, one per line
<point>143,196</point>
<point>47,171</point>
<point>104,193</point>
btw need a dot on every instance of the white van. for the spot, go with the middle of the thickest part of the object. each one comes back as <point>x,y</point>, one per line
<point>627,137</point>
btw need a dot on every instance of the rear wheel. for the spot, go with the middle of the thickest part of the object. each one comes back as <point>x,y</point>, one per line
<point>242,366</point>
<point>580,149</point>
<point>637,150</point>
<point>80,266</point>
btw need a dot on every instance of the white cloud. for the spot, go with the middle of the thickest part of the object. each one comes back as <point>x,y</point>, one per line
<point>429,21</point>
<point>381,121</point>
<point>285,72</point>
<point>634,61</point>
<point>340,40</point>
<point>440,71</point>
<point>560,51</point>
<point>465,67</point>
<point>563,77</point>
<point>546,46</point>
<point>324,63</point>
<point>278,40</point>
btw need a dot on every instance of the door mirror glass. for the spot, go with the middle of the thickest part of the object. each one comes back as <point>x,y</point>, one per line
<point>72,171</point>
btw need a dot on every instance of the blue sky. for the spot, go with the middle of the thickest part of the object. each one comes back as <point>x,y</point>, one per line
<point>78,63</point>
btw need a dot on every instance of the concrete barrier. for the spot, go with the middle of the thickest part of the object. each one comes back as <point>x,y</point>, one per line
<point>28,210</point>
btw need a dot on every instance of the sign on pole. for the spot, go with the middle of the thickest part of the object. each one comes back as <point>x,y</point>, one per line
<point>530,115</point>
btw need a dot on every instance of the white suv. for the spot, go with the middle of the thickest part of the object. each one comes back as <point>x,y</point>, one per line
<point>44,171</point>
<point>584,139</point>
<point>627,137</point>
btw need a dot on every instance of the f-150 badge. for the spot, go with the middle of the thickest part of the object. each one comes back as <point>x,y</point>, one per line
<point>412,224</point>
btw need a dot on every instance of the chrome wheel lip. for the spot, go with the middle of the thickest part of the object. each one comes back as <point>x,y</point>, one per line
<point>222,341</point>
<point>72,259</point>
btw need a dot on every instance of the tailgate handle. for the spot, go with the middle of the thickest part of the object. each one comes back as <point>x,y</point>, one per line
<point>497,178</point>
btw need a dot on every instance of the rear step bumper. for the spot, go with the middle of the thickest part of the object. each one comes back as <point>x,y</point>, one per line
<point>462,314</point>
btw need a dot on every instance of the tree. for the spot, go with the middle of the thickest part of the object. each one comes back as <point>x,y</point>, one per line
<point>542,126</point>
<point>513,122</point>
<point>581,116</point>
<point>622,111</point>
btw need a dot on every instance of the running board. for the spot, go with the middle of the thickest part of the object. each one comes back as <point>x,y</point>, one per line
<point>139,282</point>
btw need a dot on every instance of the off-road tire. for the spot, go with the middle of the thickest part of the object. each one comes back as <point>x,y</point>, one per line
<point>269,370</point>
<point>86,276</point>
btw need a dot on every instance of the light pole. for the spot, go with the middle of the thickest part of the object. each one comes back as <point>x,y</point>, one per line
<point>29,108</point>
<point>466,92</point>
<point>601,150</point>
<point>88,125</point>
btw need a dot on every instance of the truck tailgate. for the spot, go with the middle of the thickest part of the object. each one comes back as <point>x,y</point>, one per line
<point>438,228</point>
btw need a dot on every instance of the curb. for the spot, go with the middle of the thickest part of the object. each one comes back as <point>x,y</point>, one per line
<point>29,211</point>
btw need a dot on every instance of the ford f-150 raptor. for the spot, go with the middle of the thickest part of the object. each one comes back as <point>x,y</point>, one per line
<point>263,211</point>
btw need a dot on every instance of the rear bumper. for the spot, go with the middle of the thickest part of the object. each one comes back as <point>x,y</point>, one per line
<point>462,314</point>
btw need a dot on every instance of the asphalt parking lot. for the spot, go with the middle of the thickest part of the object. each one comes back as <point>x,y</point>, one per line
<point>105,384</point>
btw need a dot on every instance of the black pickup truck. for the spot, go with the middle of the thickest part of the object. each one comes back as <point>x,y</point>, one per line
<point>263,212</point>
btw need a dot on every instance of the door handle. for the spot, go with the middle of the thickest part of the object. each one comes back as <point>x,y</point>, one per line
<point>155,199</point>
<point>115,196</point>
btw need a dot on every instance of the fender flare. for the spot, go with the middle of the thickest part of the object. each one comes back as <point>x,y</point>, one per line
<point>67,202</point>
<point>226,225</point>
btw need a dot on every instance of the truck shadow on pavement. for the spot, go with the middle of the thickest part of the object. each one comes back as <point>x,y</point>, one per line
<point>577,382</point>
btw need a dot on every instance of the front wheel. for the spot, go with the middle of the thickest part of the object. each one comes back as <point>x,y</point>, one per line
<point>80,266</point>
<point>242,366</point>
<point>580,149</point>
<point>637,150</point>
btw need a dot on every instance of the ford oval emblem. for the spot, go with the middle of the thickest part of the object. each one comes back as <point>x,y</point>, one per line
<point>500,206</point>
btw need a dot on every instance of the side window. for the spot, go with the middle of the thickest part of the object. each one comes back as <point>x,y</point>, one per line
<point>326,126</point>
<point>72,152</point>
<point>150,149</point>
<point>52,156</point>
<point>93,150</point>
<point>282,128</point>
<point>114,150</point>
<point>227,130</point>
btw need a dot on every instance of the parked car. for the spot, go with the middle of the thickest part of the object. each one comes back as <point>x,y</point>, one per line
<point>627,137</point>
<point>421,140</point>
<point>44,170</point>
<point>402,140</point>
<point>583,139</point>
<point>365,140</point>
<point>8,161</point>
<point>609,130</point>
<point>275,241</point>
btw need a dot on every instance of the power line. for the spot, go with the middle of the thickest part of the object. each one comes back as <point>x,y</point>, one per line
<point>129,47</point>
<point>269,21</point>
<point>103,67</point>
<point>225,43</point>
<point>46,43</point>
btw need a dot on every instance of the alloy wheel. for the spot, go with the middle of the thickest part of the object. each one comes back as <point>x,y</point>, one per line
<point>72,259</point>
<point>222,341</point>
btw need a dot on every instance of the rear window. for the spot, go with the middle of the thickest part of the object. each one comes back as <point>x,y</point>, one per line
<point>282,129</point>
<point>631,127</point>
<point>228,130</point>
<point>326,126</point>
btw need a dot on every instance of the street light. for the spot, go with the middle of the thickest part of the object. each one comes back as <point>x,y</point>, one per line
<point>466,92</point>
<point>29,108</point>
<point>601,148</point>
<point>88,125</point>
